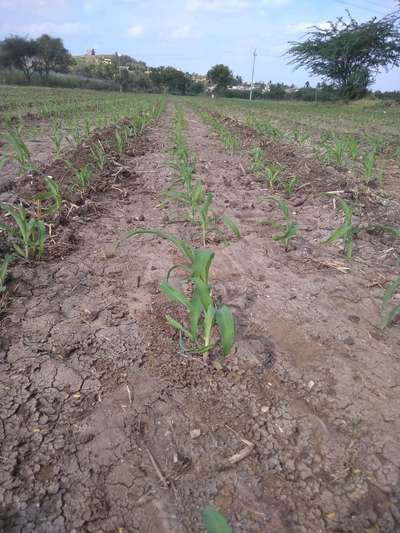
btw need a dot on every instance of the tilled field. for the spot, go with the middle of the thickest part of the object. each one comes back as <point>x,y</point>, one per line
<point>107,426</point>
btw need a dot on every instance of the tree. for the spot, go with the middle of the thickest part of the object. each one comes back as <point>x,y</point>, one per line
<point>51,55</point>
<point>221,76</point>
<point>19,53</point>
<point>349,54</point>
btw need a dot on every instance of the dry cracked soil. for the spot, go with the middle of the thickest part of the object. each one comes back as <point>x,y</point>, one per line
<point>106,427</point>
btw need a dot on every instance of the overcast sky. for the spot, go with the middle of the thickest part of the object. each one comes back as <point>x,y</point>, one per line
<point>191,35</point>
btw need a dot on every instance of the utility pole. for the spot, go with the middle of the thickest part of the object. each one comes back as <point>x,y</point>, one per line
<point>252,74</point>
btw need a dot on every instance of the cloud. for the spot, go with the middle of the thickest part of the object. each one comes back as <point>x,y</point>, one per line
<point>216,5</point>
<point>275,3</point>
<point>182,32</point>
<point>135,31</point>
<point>67,28</point>
<point>30,4</point>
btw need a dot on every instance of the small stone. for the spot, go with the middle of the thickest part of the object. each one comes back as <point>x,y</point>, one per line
<point>349,341</point>
<point>264,409</point>
<point>195,433</point>
<point>141,218</point>
<point>310,385</point>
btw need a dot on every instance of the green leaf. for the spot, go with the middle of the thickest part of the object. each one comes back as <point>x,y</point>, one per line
<point>338,234</point>
<point>201,263</point>
<point>196,309</point>
<point>232,226</point>
<point>226,324</point>
<point>174,295</point>
<point>213,521</point>
<point>348,212</point>
<point>203,291</point>
<point>182,246</point>
<point>390,317</point>
<point>392,289</point>
<point>175,324</point>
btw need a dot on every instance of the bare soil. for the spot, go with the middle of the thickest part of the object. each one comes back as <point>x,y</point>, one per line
<point>98,408</point>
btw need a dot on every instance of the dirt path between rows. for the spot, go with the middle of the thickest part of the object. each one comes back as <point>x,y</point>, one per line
<point>98,408</point>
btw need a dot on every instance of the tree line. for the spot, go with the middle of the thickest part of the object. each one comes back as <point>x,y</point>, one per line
<point>345,54</point>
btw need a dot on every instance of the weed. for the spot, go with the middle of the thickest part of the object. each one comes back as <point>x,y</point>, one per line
<point>288,229</point>
<point>29,235</point>
<point>4,264</point>
<point>345,232</point>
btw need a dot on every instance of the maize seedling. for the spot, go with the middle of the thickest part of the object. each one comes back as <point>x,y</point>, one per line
<point>213,521</point>
<point>119,141</point>
<point>4,264</point>
<point>99,155</point>
<point>203,314</point>
<point>369,167</point>
<point>57,139</point>
<point>206,220</point>
<point>345,232</point>
<point>82,178</point>
<point>390,293</point>
<point>288,229</point>
<point>272,173</point>
<point>21,151</point>
<point>290,186</point>
<point>53,193</point>
<point>29,235</point>
<point>257,159</point>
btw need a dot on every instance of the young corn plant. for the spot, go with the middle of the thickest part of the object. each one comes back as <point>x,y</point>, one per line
<point>389,316</point>
<point>208,222</point>
<point>21,151</point>
<point>336,151</point>
<point>4,265</point>
<point>204,316</point>
<point>28,235</point>
<point>52,194</point>
<point>288,229</point>
<point>257,159</point>
<point>345,232</point>
<point>57,138</point>
<point>290,186</point>
<point>369,167</point>
<point>119,141</point>
<point>272,173</point>
<point>82,178</point>
<point>99,155</point>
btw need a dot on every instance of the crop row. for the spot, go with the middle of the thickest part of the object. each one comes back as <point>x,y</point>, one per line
<point>207,324</point>
<point>270,174</point>
<point>24,228</point>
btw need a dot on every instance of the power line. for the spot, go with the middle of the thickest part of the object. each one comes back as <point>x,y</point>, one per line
<point>358,6</point>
